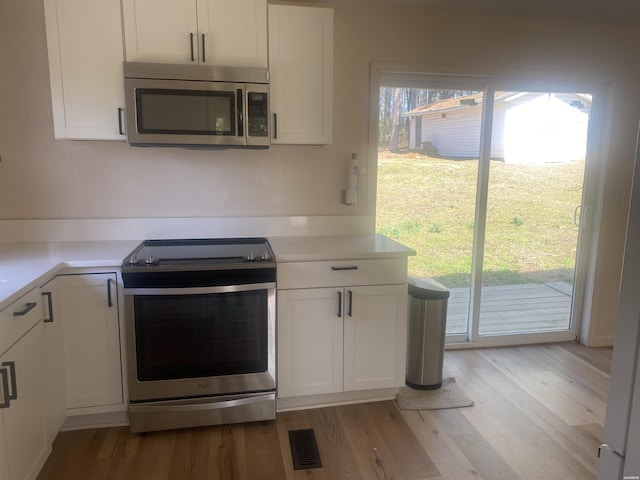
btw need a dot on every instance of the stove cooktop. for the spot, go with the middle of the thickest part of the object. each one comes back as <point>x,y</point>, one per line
<point>200,252</point>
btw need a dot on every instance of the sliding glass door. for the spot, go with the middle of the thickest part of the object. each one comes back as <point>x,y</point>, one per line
<point>487,186</point>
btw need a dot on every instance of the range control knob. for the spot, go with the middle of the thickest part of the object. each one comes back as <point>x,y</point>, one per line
<point>265,257</point>
<point>150,260</point>
<point>133,260</point>
<point>251,257</point>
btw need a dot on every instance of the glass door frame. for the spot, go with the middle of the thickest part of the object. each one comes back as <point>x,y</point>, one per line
<point>421,76</point>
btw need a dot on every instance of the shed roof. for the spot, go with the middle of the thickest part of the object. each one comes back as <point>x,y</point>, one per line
<point>474,99</point>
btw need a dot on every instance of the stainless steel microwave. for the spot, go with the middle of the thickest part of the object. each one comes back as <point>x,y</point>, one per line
<point>196,105</point>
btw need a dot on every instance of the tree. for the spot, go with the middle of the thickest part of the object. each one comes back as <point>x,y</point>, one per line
<point>396,118</point>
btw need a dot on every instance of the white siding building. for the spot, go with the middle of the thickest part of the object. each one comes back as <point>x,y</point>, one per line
<point>528,127</point>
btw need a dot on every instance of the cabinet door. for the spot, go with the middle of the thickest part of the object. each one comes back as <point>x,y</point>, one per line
<point>54,360</point>
<point>235,32</point>
<point>301,69</point>
<point>89,311</point>
<point>374,336</point>
<point>84,39</point>
<point>163,31</point>
<point>309,341</point>
<point>25,436</point>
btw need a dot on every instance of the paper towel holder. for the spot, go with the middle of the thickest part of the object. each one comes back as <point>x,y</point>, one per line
<point>354,181</point>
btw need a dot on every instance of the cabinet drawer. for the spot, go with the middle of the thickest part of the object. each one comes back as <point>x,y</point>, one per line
<point>18,318</point>
<point>342,273</point>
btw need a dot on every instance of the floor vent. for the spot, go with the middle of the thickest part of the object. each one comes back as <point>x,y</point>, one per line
<point>304,449</point>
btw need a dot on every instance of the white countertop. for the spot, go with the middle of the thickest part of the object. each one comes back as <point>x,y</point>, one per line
<point>24,266</point>
<point>336,247</point>
<point>27,265</point>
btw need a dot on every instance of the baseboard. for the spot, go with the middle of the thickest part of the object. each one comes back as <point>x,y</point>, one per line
<point>601,341</point>
<point>335,399</point>
<point>96,420</point>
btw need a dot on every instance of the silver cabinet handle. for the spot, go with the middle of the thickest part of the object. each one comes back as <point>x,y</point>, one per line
<point>350,304</point>
<point>120,122</point>
<point>27,308</point>
<point>4,384</point>
<point>50,305</point>
<point>275,125</point>
<point>240,103</point>
<point>109,299</point>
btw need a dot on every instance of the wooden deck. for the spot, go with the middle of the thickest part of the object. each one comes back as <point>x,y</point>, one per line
<point>513,308</point>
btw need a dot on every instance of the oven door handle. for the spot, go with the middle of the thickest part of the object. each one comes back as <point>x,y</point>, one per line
<point>199,290</point>
<point>215,405</point>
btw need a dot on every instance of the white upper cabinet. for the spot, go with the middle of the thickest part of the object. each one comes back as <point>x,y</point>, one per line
<point>84,40</point>
<point>301,72</point>
<point>214,32</point>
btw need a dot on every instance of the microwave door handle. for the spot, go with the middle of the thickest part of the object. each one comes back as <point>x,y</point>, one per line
<point>240,97</point>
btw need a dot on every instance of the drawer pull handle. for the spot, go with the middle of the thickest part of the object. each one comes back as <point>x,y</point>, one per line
<point>11,393</point>
<point>109,299</point>
<point>339,304</point>
<point>350,312</point>
<point>50,306</point>
<point>4,384</point>
<point>338,269</point>
<point>27,308</point>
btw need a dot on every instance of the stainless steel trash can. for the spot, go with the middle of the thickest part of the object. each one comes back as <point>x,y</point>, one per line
<point>426,330</point>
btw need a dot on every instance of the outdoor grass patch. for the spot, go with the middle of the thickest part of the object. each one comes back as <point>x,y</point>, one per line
<point>428,204</point>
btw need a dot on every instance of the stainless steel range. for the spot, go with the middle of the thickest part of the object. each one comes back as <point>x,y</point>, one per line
<point>200,331</point>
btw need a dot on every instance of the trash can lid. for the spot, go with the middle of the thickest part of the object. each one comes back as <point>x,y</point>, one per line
<point>427,289</point>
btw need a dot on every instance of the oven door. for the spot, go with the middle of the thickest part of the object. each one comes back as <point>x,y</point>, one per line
<point>202,341</point>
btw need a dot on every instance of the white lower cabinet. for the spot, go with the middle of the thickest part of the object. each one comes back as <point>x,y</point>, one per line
<point>340,339</point>
<point>24,446</point>
<point>310,354</point>
<point>374,336</point>
<point>88,307</point>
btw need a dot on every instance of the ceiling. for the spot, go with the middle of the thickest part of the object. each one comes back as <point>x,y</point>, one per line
<point>614,12</point>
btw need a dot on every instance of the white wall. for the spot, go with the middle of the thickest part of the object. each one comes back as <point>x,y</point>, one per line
<point>41,178</point>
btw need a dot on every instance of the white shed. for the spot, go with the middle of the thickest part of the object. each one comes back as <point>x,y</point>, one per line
<point>528,127</point>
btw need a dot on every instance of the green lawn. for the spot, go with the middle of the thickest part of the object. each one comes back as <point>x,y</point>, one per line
<point>428,204</point>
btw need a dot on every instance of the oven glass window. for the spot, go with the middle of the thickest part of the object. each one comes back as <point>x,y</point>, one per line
<point>185,112</point>
<point>190,336</point>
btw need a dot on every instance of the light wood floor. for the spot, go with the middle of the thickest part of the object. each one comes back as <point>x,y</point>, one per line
<point>538,414</point>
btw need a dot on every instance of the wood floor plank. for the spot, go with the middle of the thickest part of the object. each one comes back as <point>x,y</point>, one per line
<point>154,458</point>
<point>372,453</point>
<point>410,457</point>
<point>485,459</point>
<point>447,457</point>
<point>338,457</point>
<point>599,358</point>
<point>263,454</point>
<point>555,393</point>
<point>227,452</point>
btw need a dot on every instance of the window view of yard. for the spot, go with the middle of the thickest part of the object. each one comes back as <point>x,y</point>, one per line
<point>519,210</point>
<point>427,204</point>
